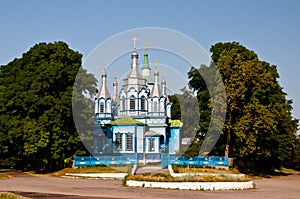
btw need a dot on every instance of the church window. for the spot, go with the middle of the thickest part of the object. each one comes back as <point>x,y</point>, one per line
<point>119,141</point>
<point>132,102</point>
<point>143,99</point>
<point>151,144</point>
<point>155,107</point>
<point>101,107</point>
<point>129,142</point>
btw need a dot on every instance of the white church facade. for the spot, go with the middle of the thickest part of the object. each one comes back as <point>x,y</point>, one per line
<point>137,117</point>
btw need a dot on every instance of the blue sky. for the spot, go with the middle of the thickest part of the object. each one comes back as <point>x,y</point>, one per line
<point>270,28</point>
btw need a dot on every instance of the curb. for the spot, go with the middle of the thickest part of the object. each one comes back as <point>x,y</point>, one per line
<point>96,175</point>
<point>202,186</point>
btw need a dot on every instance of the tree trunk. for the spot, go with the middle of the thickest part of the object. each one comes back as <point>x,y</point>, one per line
<point>227,143</point>
<point>228,136</point>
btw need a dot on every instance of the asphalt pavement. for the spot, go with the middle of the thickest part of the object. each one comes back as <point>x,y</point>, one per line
<point>40,186</point>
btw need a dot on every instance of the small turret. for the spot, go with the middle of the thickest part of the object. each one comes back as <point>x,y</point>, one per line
<point>156,88</point>
<point>146,70</point>
<point>103,92</point>
<point>164,88</point>
<point>115,97</point>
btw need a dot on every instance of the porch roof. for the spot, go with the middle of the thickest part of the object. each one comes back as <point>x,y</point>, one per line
<point>126,121</point>
<point>152,133</point>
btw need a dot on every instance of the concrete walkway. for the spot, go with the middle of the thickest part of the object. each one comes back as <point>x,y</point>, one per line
<point>151,169</point>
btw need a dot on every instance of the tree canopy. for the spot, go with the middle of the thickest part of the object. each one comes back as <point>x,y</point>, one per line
<point>259,126</point>
<point>36,124</point>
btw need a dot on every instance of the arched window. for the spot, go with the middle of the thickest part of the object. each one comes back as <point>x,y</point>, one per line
<point>143,99</point>
<point>101,107</point>
<point>155,107</point>
<point>132,102</point>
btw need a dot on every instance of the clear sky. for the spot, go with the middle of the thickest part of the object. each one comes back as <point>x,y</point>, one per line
<point>270,28</point>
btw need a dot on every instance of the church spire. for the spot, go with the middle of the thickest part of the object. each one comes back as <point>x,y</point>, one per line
<point>156,89</point>
<point>164,86</point>
<point>134,55</point>
<point>134,64</point>
<point>115,96</point>
<point>146,60</point>
<point>146,67</point>
<point>134,78</point>
<point>103,90</point>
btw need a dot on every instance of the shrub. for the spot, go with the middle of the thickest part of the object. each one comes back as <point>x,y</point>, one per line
<point>124,180</point>
<point>175,168</point>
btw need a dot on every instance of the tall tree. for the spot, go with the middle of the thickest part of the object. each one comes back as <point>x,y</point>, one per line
<point>259,126</point>
<point>37,128</point>
<point>185,108</point>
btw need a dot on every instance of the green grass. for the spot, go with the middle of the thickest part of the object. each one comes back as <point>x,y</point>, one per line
<point>8,196</point>
<point>3,175</point>
<point>186,169</point>
<point>285,170</point>
<point>96,169</point>
<point>159,177</point>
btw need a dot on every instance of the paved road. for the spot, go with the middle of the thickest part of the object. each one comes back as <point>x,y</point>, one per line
<point>287,187</point>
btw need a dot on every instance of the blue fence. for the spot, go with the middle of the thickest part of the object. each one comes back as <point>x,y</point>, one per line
<point>104,160</point>
<point>199,160</point>
<point>165,160</point>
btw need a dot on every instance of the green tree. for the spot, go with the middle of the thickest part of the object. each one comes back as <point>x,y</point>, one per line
<point>259,126</point>
<point>212,104</point>
<point>185,108</point>
<point>36,123</point>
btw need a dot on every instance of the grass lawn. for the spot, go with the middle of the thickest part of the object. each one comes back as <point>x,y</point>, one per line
<point>285,170</point>
<point>191,169</point>
<point>8,196</point>
<point>3,175</point>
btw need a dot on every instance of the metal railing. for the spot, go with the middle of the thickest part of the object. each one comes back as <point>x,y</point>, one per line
<point>105,160</point>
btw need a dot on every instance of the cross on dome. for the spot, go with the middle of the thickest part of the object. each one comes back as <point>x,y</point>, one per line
<point>145,45</point>
<point>134,42</point>
<point>115,74</point>
<point>163,72</point>
<point>104,63</point>
<point>156,63</point>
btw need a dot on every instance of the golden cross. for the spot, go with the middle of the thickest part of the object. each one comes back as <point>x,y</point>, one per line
<point>156,61</point>
<point>145,45</point>
<point>115,74</point>
<point>104,65</point>
<point>134,42</point>
<point>163,72</point>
